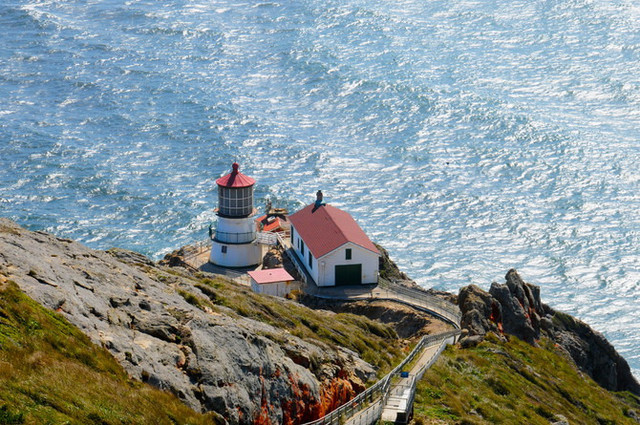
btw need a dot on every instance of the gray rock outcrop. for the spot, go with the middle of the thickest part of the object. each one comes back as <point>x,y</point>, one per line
<point>515,308</point>
<point>479,309</point>
<point>126,303</point>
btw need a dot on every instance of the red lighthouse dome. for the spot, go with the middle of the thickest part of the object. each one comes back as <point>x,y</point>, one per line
<point>235,178</point>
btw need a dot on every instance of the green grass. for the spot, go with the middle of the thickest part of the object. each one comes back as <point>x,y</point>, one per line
<point>375,342</point>
<point>514,383</point>
<point>51,373</point>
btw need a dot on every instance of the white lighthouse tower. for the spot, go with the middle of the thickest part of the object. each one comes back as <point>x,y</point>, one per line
<point>234,241</point>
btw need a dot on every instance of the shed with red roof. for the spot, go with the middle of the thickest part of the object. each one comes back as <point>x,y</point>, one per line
<point>277,282</point>
<point>333,247</point>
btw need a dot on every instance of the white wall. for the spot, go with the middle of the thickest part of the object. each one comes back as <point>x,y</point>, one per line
<point>313,271</point>
<point>359,255</point>
<point>276,289</point>
<point>244,228</point>
<point>237,255</point>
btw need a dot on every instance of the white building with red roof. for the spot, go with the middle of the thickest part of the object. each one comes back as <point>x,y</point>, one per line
<point>276,282</point>
<point>332,246</point>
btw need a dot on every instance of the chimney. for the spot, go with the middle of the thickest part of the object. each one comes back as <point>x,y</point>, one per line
<point>319,199</point>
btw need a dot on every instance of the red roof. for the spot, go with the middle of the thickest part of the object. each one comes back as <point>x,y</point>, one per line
<point>269,225</point>
<point>235,178</point>
<point>326,228</point>
<point>270,276</point>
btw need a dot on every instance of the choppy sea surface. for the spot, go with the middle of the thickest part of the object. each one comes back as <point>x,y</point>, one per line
<point>466,137</point>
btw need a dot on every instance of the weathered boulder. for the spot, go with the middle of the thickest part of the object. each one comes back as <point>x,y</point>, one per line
<point>633,415</point>
<point>389,270</point>
<point>133,307</point>
<point>176,258</point>
<point>515,308</point>
<point>471,341</point>
<point>481,313</point>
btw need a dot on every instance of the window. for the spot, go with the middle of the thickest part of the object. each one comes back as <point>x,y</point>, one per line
<point>347,254</point>
<point>224,249</point>
<point>302,247</point>
<point>235,202</point>
<point>310,260</point>
<point>292,235</point>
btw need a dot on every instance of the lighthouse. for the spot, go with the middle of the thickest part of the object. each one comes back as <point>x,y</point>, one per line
<point>234,240</point>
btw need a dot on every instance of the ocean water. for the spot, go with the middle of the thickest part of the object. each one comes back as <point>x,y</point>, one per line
<point>466,137</point>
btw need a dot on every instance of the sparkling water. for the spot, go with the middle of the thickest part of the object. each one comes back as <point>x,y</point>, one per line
<point>466,137</point>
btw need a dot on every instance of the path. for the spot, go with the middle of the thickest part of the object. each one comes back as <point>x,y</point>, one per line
<point>197,256</point>
<point>391,398</point>
<point>400,394</point>
<point>399,398</point>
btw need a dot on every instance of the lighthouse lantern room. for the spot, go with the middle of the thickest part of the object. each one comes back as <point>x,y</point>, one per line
<point>234,241</point>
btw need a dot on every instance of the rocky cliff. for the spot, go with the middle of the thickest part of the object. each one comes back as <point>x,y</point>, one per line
<point>515,308</point>
<point>254,359</point>
<point>194,336</point>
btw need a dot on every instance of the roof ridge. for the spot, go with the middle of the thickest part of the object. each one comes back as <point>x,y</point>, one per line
<point>341,228</point>
<point>334,222</point>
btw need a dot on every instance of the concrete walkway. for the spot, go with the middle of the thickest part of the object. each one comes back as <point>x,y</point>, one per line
<point>198,258</point>
<point>399,401</point>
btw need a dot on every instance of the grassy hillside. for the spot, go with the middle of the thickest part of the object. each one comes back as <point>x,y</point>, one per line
<point>515,383</point>
<point>50,373</point>
<point>375,342</point>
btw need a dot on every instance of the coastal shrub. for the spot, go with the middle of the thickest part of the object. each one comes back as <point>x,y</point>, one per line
<point>211,293</point>
<point>9,418</point>
<point>498,387</point>
<point>7,229</point>
<point>561,319</point>
<point>514,383</point>
<point>191,299</point>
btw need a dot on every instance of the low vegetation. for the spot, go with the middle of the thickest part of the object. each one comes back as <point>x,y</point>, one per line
<point>515,383</point>
<point>51,373</point>
<point>375,342</point>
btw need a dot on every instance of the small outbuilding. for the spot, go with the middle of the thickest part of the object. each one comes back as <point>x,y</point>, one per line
<point>332,246</point>
<point>276,282</point>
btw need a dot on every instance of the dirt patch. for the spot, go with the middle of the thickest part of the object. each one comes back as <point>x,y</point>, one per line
<point>407,321</point>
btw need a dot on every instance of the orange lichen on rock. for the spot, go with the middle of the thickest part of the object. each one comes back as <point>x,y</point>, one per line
<point>303,405</point>
<point>495,317</point>
<point>263,415</point>
<point>339,390</point>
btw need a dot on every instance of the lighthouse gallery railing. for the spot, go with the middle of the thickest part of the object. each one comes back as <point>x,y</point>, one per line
<point>234,238</point>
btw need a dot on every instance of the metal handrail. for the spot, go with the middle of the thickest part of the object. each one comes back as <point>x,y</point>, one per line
<point>430,300</point>
<point>381,387</point>
<point>196,249</point>
<point>288,251</point>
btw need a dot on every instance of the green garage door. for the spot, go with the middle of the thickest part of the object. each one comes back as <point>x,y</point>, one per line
<point>349,275</point>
